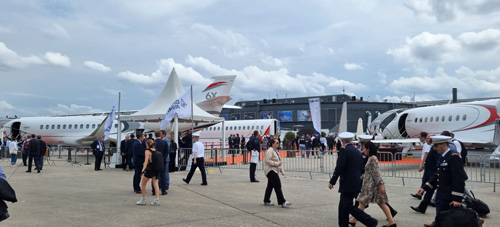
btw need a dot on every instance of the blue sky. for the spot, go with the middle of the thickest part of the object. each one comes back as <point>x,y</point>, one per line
<point>67,57</point>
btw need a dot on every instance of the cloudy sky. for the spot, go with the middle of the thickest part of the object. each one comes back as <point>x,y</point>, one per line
<point>66,57</point>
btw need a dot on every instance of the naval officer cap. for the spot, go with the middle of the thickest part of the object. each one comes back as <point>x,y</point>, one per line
<point>346,136</point>
<point>365,138</point>
<point>197,134</point>
<point>440,139</point>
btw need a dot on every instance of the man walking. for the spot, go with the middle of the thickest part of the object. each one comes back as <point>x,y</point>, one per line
<point>198,160</point>
<point>123,151</point>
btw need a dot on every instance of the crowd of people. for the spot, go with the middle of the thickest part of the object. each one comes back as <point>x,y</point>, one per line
<point>31,149</point>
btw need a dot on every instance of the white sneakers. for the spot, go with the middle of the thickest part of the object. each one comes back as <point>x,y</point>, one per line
<point>155,202</point>
<point>286,204</point>
<point>142,201</point>
<point>268,204</point>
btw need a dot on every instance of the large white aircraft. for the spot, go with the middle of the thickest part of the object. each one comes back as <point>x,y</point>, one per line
<point>477,124</point>
<point>83,130</point>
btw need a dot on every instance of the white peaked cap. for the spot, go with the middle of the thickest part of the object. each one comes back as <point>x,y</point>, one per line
<point>440,139</point>
<point>365,138</point>
<point>346,135</point>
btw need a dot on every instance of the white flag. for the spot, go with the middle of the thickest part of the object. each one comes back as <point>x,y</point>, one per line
<point>314,105</point>
<point>181,106</point>
<point>109,123</point>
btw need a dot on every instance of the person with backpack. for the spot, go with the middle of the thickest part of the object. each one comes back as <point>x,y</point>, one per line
<point>198,160</point>
<point>153,164</point>
<point>461,149</point>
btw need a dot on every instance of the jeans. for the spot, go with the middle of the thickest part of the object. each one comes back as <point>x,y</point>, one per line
<point>302,149</point>
<point>13,159</point>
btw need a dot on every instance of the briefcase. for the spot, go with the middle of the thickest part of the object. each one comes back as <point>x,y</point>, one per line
<point>458,217</point>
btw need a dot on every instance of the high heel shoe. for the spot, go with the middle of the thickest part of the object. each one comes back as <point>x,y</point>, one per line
<point>393,225</point>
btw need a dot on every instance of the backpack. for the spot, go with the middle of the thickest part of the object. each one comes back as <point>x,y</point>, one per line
<point>477,205</point>
<point>464,151</point>
<point>157,161</point>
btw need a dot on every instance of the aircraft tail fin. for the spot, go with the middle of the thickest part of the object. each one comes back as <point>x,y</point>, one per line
<point>215,95</point>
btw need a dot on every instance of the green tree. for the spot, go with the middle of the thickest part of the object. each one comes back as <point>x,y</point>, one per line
<point>289,136</point>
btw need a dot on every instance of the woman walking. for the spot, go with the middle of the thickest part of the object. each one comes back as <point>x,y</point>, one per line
<point>373,190</point>
<point>149,173</point>
<point>272,166</point>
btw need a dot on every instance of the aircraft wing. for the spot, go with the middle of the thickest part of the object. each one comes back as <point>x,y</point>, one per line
<point>409,140</point>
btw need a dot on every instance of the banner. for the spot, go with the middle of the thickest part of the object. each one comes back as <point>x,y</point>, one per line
<point>109,122</point>
<point>314,105</point>
<point>181,106</point>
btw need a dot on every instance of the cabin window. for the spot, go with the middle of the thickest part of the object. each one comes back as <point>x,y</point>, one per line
<point>442,118</point>
<point>425,120</point>
<point>437,119</point>
<point>53,126</point>
<point>262,127</point>
<point>64,126</point>
<point>420,120</point>
<point>252,127</point>
<point>116,125</point>
<point>430,119</point>
<point>46,126</point>
<point>226,128</point>
<point>457,118</point>
<point>69,126</point>
<point>58,126</point>
<point>76,126</point>
<point>239,127</point>
<point>464,117</point>
<point>416,120</point>
<point>93,126</point>
<point>243,127</point>
<point>87,126</point>
<point>81,126</point>
<point>449,118</point>
<point>41,126</point>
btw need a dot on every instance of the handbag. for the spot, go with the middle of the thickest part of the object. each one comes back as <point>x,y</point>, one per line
<point>255,157</point>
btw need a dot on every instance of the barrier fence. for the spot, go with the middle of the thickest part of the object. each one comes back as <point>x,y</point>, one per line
<point>479,168</point>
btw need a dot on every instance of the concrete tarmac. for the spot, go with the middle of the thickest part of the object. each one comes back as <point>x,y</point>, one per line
<point>64,195</point>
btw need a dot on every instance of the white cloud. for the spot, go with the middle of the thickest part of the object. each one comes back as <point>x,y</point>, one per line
<point>97,66</point>
<point>10,58</point>
<point>56,31</point>
<point>352,66</point>
<point>482,41</point>
<point>470,83</point>
<point>448,10</point>
<point>62,109</point>
<point>57,59</point>
<point>428,47</point>
<point>382,77</point>
<point>4,105</point>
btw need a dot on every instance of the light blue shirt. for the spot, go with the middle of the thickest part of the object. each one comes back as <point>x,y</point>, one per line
<point>2,174</point>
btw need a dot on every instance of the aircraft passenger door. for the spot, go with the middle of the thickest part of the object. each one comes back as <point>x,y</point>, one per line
<point>496,136</point>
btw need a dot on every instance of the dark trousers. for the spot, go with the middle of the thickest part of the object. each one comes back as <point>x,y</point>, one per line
<point>41,161</point>
<point>98,160</point>
<point>443,200</point>
<point>137,177</point>
<point>162,182</point>
<point>124,162</point>
<point>253,167</point>
<point>25,158</point>
<point>346,207</point>
<point>130,162</point>
<point>171,167</point>
<point>30,162</point>
<point>273,182</point>
<point>200,163</point>
<point>426,200</point>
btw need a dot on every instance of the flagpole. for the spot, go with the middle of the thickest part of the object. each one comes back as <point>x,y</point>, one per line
<point>118,133</point>
<point>192,121</point>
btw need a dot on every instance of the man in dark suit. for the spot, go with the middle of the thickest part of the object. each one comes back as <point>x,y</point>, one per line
<point>139,157</point>
<point>43,149</point>
<point>98,151</point>
<point>162,147</point>
<point>130,152</point>
<point>123,151</point>
<point>33,154</point>
<point>449,181</point>
<point>349,168</point>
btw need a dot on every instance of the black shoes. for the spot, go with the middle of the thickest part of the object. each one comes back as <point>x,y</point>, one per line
<point>432,204</point>
<point>417,209</point>
<point>419,197</point>
<point>185,181</point>
<point>164,193</point>
<point>255,181</point>
<point>204,184</point>
<point>393,225</point>
<point>28,171</point>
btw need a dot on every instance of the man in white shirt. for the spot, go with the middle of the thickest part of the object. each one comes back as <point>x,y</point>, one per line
<point>198,160</point>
